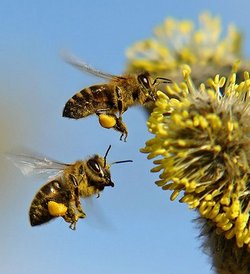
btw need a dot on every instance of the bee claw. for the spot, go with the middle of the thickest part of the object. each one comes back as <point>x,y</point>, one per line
<point>125,137</point>
<point>73,226</point>
<point>121,127</point>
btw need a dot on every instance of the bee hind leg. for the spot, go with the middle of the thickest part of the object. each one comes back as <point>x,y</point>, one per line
<point>72,219</point>
<point>121,127</point>
<point>75,219</point>
<point>73,225</point>
<point>74,213</point>
<point>110,120</point>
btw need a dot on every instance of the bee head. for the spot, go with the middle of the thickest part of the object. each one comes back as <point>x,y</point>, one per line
<point>99,170</point>
<point>145,80</point>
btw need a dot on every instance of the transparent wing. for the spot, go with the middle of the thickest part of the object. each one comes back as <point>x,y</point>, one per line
<point>35,165</point>
<point>81,65</point>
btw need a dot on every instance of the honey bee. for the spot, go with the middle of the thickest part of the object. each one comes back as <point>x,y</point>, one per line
<point>60,196</point>
<point>110,100</point>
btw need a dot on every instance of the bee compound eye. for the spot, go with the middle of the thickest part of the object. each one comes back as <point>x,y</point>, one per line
<point>143,79</point>
<point>94,165</point>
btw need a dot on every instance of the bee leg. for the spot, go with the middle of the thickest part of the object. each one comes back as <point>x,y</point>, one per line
<point>107,120</point>
<point>119,101</point>
<point>102,111</point>
<point>74,180</point>
<point>73,215</point>
<point>81,214</point>
<point>110,120</point>
<point>76,196</point>
<point>73,226</point>
<point>71,218</point>
<point>121,127</point>
<point>77,204</point>
<point>74,220</point>
<point>74,209</point>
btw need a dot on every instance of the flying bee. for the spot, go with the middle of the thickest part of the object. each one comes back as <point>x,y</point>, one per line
<point>110,100</point>
<point>60,196</point>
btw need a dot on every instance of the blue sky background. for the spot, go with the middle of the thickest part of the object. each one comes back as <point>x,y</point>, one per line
<point>132,228</point>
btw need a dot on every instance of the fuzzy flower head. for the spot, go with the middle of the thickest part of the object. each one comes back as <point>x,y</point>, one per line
<point>202,144</point>
<point>175,43</point>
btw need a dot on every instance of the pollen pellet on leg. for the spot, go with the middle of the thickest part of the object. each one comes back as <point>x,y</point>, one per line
<point>56,209</point>
<point>107,121</point>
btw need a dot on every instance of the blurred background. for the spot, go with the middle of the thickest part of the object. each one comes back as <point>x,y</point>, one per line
<point>132,228</point>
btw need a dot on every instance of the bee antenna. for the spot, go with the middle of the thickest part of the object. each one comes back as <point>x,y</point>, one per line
<point>106,154</point>
<point>162,80</point>
<point>124,161</point>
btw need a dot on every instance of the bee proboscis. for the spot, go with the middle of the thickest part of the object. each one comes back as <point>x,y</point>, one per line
<point>60,196</point>
<point>112,98</point>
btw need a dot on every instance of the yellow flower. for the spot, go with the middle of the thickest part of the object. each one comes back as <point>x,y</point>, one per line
<point>202,144</point>
<point>175,43</point>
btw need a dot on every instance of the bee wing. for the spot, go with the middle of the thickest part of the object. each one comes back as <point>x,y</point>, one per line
<point>81,65</point>
<point>32,165</point>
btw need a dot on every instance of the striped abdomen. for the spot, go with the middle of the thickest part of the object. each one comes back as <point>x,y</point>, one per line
<point>91,100</point>
<point>53,191</point>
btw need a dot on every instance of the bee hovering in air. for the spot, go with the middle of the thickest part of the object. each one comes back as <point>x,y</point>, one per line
<point>110,100</point>
<point>60,196</point>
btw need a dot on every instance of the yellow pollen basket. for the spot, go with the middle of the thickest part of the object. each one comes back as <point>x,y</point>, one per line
<point>56,209</point>
<point>107,121</point>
